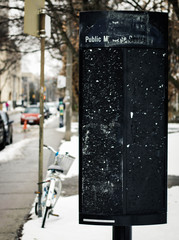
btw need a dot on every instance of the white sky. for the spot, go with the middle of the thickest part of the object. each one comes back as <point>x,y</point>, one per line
<point>31,63</point>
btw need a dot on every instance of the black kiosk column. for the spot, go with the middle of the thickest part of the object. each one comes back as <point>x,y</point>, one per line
<point>123,119</point>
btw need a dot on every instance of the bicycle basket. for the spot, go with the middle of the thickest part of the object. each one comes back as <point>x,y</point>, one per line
<point>65,162</point>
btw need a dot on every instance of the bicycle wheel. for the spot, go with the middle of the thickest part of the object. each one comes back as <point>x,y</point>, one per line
<point>45,216</point>
<point>36,208</point>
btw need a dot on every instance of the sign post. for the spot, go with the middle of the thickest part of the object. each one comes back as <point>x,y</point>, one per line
<point>42,40</point>
<point>31,17</point>
<point>34,24</point>
<point>68,89</point>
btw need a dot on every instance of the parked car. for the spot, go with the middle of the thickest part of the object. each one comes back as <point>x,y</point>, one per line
<point>31,115</point>
<point>2,134</point>
<point>46,111</point>
<point>8,127</point>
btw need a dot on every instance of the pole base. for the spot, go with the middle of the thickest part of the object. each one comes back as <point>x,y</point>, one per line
<point>122,233</point>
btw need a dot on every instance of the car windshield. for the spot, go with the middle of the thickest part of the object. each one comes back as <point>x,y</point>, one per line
<point>32,110</point>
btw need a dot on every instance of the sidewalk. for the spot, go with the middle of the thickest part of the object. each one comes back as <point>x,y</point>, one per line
<point>66,227</point>
<point>19,177</point>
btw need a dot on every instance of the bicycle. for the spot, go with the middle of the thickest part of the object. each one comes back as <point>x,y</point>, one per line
<point>52,185</point>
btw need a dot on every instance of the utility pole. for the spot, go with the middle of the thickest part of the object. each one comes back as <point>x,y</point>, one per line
<point>37,23</point>
<point>68,90</point>
<point>28,92</point>
<point>42,41</point>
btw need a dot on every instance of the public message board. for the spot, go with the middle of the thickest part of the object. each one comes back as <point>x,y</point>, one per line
<point>123,118</point>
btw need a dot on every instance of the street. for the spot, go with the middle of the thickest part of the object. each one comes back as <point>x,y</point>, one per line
<point>19,177</point>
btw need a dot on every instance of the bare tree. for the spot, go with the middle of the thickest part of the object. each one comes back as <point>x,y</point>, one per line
<point>63,11</point>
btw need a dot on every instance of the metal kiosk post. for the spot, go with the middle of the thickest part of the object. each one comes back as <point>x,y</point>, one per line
<point>122,233</point>
<point>123,120</point>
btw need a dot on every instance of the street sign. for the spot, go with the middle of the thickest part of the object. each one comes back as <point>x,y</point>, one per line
<point>61,81</point>
<point>31,17</point>
<point>47,26</point>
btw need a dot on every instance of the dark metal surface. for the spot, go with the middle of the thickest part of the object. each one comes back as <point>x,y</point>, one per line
<point>123,120</point>
<point>146,131</point>
<point>102,132</point>
<point>123,29</point>
<point>122,233</point>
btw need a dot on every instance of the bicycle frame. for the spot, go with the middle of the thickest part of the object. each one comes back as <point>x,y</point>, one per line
<point>51,193</point>
<point>52,186</point>
<point>54,183</point>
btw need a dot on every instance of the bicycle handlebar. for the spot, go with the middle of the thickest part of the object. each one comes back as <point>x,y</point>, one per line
<point>53,150</point>
<point>50,148</point>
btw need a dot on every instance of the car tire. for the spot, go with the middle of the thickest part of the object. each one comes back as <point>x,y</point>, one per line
<point>3,144</point>
<point>36,208</point>
<point>11,139</point>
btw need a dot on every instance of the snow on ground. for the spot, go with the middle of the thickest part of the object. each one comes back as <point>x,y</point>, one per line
<point>173,127</point>
<point>169,231</point>
<point>173,149</point>
<point>72,148</point>
<point>14,151</point>
<point>66,226</point>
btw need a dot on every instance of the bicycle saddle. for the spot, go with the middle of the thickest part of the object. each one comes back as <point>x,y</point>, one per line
<point>55,167</point>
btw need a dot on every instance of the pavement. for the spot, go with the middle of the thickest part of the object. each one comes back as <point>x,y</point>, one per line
<point>18,181</point>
